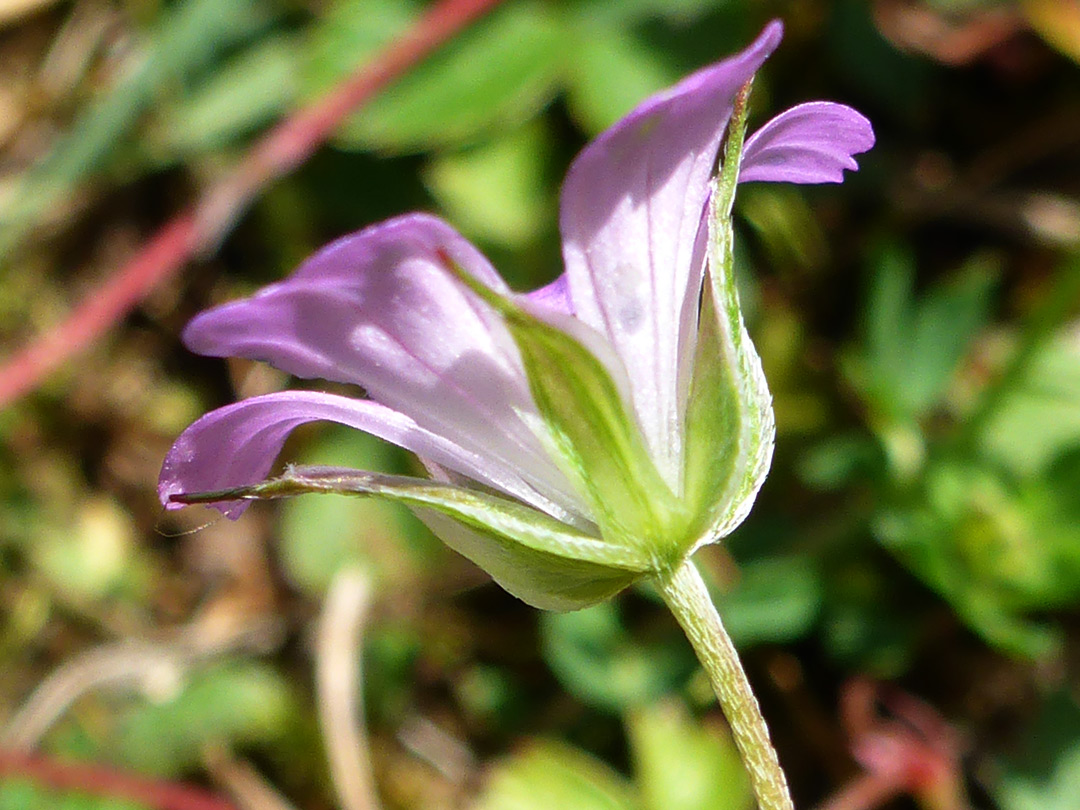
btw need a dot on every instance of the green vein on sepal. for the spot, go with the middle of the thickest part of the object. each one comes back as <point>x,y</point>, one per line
<point>593,433</point>
<point>505,520</point>
<point>729,422</point>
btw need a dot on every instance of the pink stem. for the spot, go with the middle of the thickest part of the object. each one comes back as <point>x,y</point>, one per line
<point>281,150</point>
<point>107,783</point>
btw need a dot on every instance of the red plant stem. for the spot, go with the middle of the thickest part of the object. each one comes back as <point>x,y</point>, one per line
<point>281,150</point>
<point>107,783</point>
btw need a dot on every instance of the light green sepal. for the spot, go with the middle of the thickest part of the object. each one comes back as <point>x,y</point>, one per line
<point>534,575</point>
<point>538,559</point>
<point>592,432</point>
<point>730,426</point>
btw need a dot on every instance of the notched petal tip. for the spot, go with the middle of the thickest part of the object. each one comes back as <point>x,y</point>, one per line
<point>809,143</point>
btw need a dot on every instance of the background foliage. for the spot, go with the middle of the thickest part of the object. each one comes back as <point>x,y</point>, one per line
<point>921,526</point>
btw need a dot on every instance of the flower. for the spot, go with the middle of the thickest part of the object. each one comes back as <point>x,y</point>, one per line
<point>578,436</point>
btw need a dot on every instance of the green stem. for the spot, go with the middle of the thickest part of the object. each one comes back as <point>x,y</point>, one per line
<point>685,594</point>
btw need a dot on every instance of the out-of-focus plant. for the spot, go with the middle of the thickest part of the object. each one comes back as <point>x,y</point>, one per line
<point>677,763</point>
<point>982,509</point>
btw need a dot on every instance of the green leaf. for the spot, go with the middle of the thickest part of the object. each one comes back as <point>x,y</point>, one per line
<point>683,764</point>
<point>347,34</point>
<point>320,535</point>
<point>498,192</point>
<point>611,72</point>
<point>620,53</point>
<point>600,663</point>
<point>455,96</point>
<point>776,600</point>
<point>994,549</point>
<point>785,224</point>
<point>913,347</point>
<point>236,703</point>
<point>248,91</point>
<point>600,445</point>
<point>1038,419</point>
<point>543,562</point>
<point>549,775</point>
<point>22,794</point>
<point>729,419</point>
<point>92,556</point>
<point>607,14</point>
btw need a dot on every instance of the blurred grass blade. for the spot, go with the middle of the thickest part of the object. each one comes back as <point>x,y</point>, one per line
<point>189,35</point>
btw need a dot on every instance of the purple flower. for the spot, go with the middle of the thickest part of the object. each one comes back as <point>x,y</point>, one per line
<point>579,435</point>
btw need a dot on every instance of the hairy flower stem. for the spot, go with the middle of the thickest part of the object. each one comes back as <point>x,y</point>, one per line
<point>685,594</point>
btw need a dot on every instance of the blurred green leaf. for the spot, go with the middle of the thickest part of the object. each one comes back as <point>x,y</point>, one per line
<point>626,12</point>
<point>246,92</point>
<point>240,703</point>
<point>1038,418</point>
<point>18,794</point>
<point>320,535</point>
<point>93,555</point>
<point>347,33</point>
<point>619,53</point>
<point>867,635</point>
<point>549,775</point>
<point>913,346</point>
<point>498,192</point>
<point>840,460</point>
<point>610,72</point>
<point>997,550</point>
<point>1045,773</point>
<point>775,600</point>
<point>679,762</point>
<point>597,660</point>
<point>453,98</point>
<point>785,223</point>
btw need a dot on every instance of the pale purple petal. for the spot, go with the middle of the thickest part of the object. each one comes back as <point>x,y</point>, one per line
<point>555,295</point>
<point>810,143</point>
<point>381,310</point>
<point>237,445</point>
<point>631,209</point>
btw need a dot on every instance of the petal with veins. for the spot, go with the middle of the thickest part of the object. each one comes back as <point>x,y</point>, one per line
<point>380,309</point>
<point>810,143</point>
<point>236,446</point>
<point>631,210</point>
